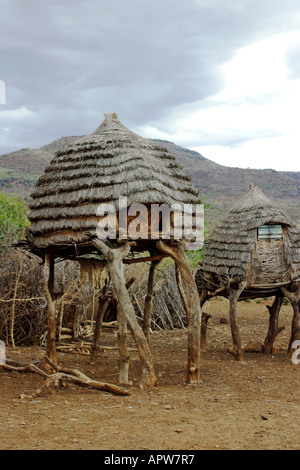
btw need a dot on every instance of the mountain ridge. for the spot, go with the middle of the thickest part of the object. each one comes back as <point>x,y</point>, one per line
<point>220,185</point>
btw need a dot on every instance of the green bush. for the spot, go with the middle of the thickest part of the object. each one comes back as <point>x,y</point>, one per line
<point>13,219</point>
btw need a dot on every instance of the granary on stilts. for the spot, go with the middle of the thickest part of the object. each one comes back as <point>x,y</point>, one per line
<point>105,179</point>
<point>254,252</point>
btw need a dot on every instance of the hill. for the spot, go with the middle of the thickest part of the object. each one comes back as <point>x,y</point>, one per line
<point>220,185</point>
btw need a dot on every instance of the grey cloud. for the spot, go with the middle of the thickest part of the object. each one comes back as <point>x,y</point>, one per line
<point>293,62</point>
<point>70,61</point>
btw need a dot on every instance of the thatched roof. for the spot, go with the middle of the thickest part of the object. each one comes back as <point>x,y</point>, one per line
<point>110,162</point>
<point>230,247</point>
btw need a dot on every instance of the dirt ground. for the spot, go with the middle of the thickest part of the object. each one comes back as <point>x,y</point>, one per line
<point>252,404</point>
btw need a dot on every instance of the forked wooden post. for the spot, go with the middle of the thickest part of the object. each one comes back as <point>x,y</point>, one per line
<point>294,296</point>
<point>103,304</point>
<point>295,324</point>
<point>51,304</point>
<point>148,300</point>
<point>273,325</point>
<point>234,295</point>
<point>114,257</point>
<point>204,321</point>
<point>123,348</point>
<point>191,305</point>
<point>123,343</point>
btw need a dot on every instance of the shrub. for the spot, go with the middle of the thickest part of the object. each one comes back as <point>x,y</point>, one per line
<point>13,219</point>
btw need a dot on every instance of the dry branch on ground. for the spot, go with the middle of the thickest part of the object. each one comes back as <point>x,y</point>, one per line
<point>62,375</point>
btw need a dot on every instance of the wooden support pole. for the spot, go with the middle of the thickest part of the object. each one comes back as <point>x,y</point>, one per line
<point>148,300</point>
<point>102,309</point>
<point>293,294</point>
<point>192,306</point>
<point>273,325</point>
<point>234,295</point>
<point>295,335</point>
<point>204,322</point>
<point>123,349</point>
<point>114,257</point>
<point>204,296</point>
<point>123,343</point>
<point>103,304</point>
<point>51,303</point>
<point>181,289</point>
<point>60,321</point>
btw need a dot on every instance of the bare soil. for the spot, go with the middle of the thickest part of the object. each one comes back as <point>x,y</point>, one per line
<point>252,404</point>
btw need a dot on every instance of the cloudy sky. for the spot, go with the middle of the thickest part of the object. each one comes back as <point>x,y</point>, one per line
<point>221,77</point>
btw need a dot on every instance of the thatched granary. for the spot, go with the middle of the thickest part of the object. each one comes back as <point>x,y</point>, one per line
<point>109,163</point>
<point>112,163</point>
<point>254,252</point>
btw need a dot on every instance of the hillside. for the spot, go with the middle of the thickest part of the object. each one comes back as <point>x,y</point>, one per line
<point>20,170</point>
<point>220,185</point>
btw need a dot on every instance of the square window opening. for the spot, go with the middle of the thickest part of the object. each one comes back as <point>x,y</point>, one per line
<point>269,232</point>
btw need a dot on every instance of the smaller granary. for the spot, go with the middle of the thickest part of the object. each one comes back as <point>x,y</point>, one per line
<point>253,253</point>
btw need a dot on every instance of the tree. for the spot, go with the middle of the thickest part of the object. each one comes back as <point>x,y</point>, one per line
<point>13,219</point>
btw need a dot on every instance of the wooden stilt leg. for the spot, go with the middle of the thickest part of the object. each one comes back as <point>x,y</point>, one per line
<point>51,303</point>
<point>204,321</point>
<point>103,305</point>
<point>123,348</point>
<point>294,296</point>
<point>273,325</point>
<point>295,336</point>
<point>234,294</point>
<point>148,300</point>
<point>114,258</point>
<point>60,320</point>
<point>102,308</point>
<point>191,304</point>
<point>123,344</point>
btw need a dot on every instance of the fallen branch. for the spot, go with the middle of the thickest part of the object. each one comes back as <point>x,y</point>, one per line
<point>67,375</point>
<point>86,350</point>
<point>110,324</point>
<point>22,300</point>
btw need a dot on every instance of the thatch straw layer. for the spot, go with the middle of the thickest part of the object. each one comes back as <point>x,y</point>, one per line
<point>109,163</point>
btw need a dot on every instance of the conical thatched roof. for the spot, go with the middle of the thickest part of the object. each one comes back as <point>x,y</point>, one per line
<point>110,162</point>
<point>230,248</point>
